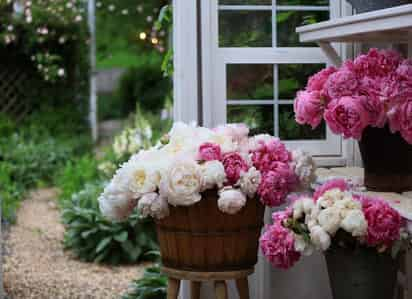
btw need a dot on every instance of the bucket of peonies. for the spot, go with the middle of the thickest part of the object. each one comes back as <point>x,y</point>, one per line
<point>361,237</point>
<point>206,189</point>
<point>368,99</point>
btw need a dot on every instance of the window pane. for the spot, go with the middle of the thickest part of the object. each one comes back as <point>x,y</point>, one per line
<point>290,130</point>
<point>250,81</point>
<point>293,77</point>
<point>245,28</point>
<point>287,21</point>
<point>302,2</point>
<point>259,118</point>
<point>245,2</point>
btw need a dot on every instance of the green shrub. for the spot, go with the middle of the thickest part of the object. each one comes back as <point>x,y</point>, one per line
<point>153,285</point>
<point>144,85</point>
<point>10,192</point>
<point>93,238</point>
<point>75,175</point>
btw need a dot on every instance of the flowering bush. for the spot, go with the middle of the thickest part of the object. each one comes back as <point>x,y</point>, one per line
<point>193,159</point>
<point>334,217</point>
<point>373,90</point>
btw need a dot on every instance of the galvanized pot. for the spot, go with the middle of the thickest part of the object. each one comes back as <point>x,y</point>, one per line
<point>370,5</point>
<point>361,274</point>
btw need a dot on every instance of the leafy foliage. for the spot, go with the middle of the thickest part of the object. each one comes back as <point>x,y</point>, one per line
<point>153,285</point>
<point>144,85</point>
<point>93,238</point>
<point>75,175</point>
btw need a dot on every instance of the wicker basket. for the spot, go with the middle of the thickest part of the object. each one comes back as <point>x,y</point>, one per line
<point>202,238</point>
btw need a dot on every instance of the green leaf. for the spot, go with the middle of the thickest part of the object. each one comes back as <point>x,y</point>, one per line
<point>103,244</point>
<point>87,233</point>
<point>122,237</point>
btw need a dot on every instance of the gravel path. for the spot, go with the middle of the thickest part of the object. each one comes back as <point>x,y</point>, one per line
<point>36,265</point>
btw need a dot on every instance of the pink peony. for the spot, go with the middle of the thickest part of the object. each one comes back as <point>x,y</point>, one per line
<point>404,70</point>
<point>400,119</point>
<point>234,165</point>
<point>371,90</point>
<point>308,108</point>
<point>210,151</point>
<point>278,246</point>
<point>266,155</point>
<point>281,216</point>
<point>384,223</point>
<point>340,184</point>
<point>377,63</point>
<point>275,186</point>
<point>317,81</point>
<point>347,116</point>
<point>341,83</point>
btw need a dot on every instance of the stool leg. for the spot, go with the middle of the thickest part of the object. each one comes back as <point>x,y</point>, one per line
<point>220,290</point>
<point>195,289</point>
<point>243,288</point>
<point>173,288</point>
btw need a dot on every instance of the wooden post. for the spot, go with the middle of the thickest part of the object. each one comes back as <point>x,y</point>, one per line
<point>220,289</point>
<point>243,288</point>
<point>93,77</point>
<point>173,288</point>
<point>195,289</point>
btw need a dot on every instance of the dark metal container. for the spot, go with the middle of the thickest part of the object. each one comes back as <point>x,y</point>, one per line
<point>361,274</point>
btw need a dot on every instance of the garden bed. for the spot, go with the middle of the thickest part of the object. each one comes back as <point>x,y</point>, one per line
<point>36,265</point>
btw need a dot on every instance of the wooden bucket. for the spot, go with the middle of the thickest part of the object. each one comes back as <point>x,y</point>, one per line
<point>202,238</point>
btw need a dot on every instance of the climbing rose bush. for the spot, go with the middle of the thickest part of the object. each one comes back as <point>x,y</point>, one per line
<point>192,159</point>
<point>373,90</point>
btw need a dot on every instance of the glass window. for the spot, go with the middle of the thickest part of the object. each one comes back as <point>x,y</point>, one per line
<point>259,118</point>
<point>250,82</point>
<point>290,130</point>
<point>303,2</point>
<point>245,2</point>
<point>243,28</point>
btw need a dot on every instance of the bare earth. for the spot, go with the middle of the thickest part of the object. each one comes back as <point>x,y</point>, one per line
<point>38,267</point>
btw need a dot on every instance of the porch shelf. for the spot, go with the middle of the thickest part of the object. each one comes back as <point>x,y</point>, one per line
<point>400,202</point>
<point>392,25</point>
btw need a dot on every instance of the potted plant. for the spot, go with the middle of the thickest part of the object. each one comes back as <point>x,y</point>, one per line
<point>206,190</point>
<point>368,99</point>
<point>360,236</point>
<point>370,5</point>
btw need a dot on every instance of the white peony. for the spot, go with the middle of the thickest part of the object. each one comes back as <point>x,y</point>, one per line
<point>329,219</point>
<point>330,197</point>
<point>355,223</point>
<point>182,183</point>
<point>308,205</point>
<point>116,204</point>
<point>142,177</point>
<point>304,167</point>
<point>249,182</point>
<point>213,175</point>
<point>231,200</point>
<point>302,246</point>
<point>320,238</point>
<point>151,204</point>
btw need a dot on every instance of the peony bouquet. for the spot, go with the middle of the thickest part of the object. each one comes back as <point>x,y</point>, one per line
<point>334,216</point>
<point>373,90</point>
<point>191,160</point>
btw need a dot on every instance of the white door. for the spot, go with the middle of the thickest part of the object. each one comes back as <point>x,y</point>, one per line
<point>253,64</point>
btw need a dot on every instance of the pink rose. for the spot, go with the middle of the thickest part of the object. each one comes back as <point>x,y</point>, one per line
<point>308,108</point>
<point>266,156</point>
<point>275,186</point>
<point>347,116</point>
<point>340,184</point>
<point>278,246</point>
<point>384,223</point>
<point>342,83</point>
<point>234,165</point>
<point>317,81</point>
<point>210,151</point>
<point>377,63</point>
<point>400,119</point>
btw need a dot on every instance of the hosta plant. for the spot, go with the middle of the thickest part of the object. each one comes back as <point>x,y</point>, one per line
<point>153,285</point>
<point>94,239</point>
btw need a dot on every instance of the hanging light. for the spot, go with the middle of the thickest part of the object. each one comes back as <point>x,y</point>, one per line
<point>142,35</point>
<point>155,41</point>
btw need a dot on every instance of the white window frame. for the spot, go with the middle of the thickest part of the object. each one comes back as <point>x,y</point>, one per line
<point>212,73</point>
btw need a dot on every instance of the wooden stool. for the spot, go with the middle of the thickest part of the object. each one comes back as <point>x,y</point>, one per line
<point>196,278</point>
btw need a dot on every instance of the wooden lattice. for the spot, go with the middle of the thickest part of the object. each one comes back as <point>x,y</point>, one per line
<point>13,96</point>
